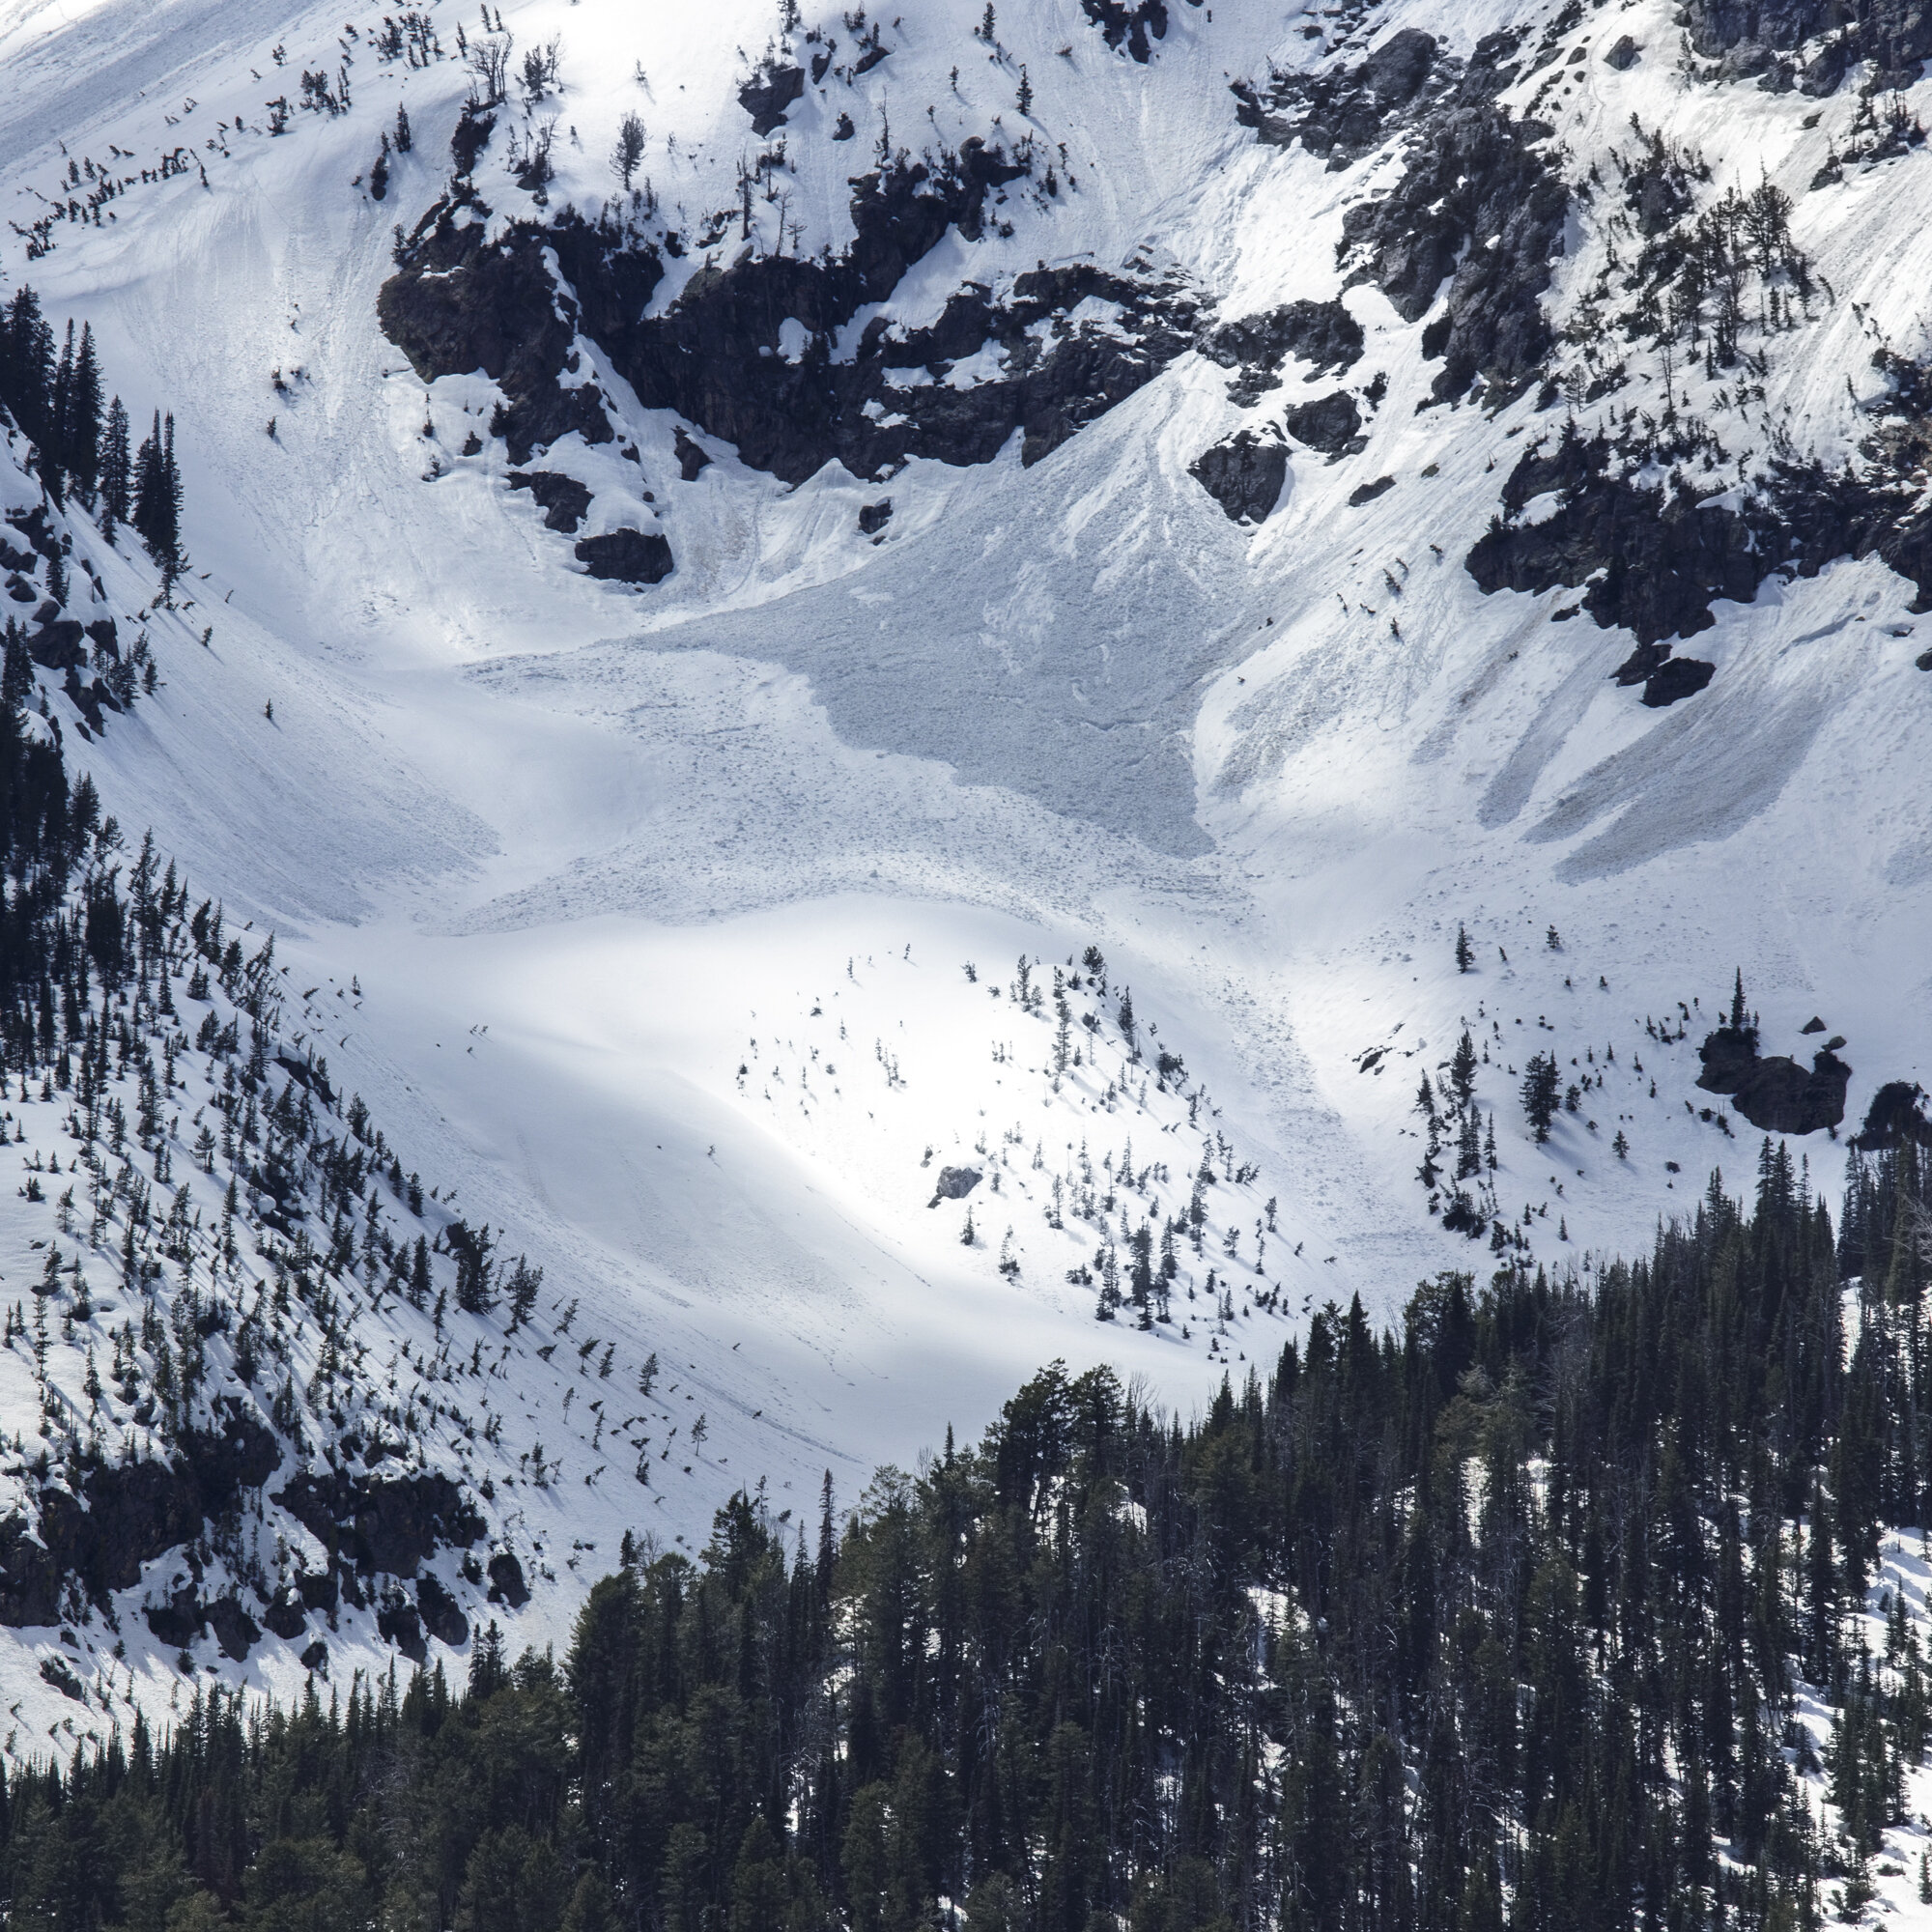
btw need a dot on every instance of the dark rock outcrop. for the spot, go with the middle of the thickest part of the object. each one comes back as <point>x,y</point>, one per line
<point>565,502</point>
<point>458,304</point>
<point>1775,1093</point>
<point>506,1580</point>
<point>1130,22</point>
<point>235,1630</point>
<point>1654,559</point>
<point>1244,473</point>
<point>1895,34</point>
<point>59,1672</point>
<point>90,700</point>
<point>1641,665</point>
<point>398,1623</point>
<point>769,92</point>
<point>1657,556</point>
<point>693,460</point>
<point>1343,112</point>
<point>383,1523</point>
<point>283,1615</point>
<point>318,1589</point>
<point>125,1517</point>
<point>1676,678</point>
<point>56,644</point>
<point>1623,54</point>
<point>462,304</point>
<point>1367,493</point>
<point>441,1616</point>
<point>1897,1114</point>
<point>954,1183</point>
<point>179,1618</point>
<point>1331,424</point>
<point>1323,334</point>
<point>183,1617</point>
<point>874,517</point>
<point>626,557</point>
<point>1479,206</point>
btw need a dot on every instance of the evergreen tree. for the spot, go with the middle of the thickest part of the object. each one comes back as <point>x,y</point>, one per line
<point>27,367</point>
<point>157,497</point>
<point>116,478</point>
<point>1541,1093</point>
<point>80,421</point>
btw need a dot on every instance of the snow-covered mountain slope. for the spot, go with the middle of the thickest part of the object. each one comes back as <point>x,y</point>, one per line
<point>1256,492</point>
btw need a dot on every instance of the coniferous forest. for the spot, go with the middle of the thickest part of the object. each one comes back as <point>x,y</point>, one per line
<point>83,448</point>
<point>1506,1617</point>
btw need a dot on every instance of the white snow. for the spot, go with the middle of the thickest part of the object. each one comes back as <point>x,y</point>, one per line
<point>1269,772</point>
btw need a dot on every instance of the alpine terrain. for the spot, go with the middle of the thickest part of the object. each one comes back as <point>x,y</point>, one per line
<point>965,968</point>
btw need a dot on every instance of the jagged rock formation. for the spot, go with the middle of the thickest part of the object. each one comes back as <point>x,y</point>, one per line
<point>462,303</point>
<point>1812,44</point>
<point>1323,334</point>
<point>565,502</point>
<point>1342,113</point>
<point>1244,475</point>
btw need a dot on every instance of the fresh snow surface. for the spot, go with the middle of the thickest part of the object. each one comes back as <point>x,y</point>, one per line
<point>589,852</point>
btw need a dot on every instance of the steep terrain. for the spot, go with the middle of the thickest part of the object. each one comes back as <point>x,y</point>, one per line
<point>727,550</point>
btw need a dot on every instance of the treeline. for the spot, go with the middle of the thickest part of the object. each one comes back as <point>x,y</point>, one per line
<point>85,443</point>
<point>1499,1618</point>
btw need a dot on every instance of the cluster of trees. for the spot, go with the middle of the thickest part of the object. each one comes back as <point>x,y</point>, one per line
<point>1500,1617</point>
<point>114,985</point>
<point>1460,1164</point>
<point>84,445</point>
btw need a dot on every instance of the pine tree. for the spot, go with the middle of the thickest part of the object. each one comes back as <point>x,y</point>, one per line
<point>147,483</point>
<point>1465,954</point>
<point>80,427</point>
<point>1469,1148</point>
<point>27,367</point>
<point>1540,1092</point>
<point>629,150</point>
<point>522,1293</point>
<point>54,450</point>
<point>116,481</point>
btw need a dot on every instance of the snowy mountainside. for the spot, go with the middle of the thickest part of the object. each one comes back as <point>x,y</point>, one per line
<point>1256,492</point>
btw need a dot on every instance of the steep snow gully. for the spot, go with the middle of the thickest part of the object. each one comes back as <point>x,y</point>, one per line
<point>786,607</point>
